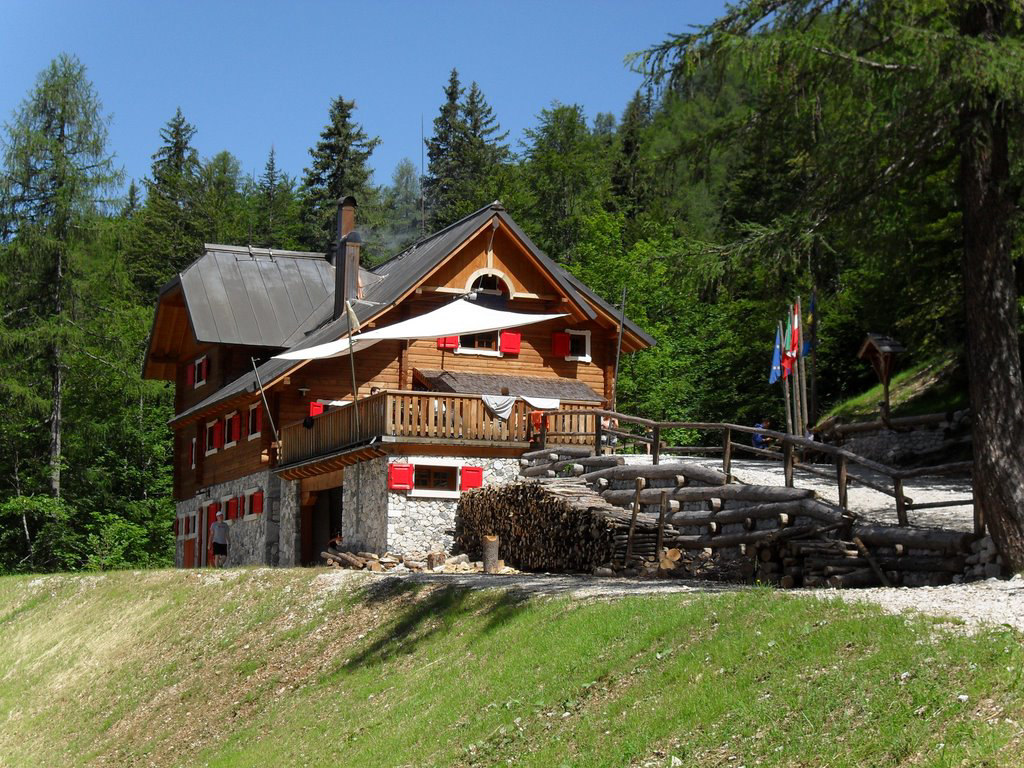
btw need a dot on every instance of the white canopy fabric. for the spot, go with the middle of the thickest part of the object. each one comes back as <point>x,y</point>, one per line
<point>454,319</point>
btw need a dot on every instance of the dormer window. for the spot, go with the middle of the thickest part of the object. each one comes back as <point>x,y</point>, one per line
<point>491,291</point>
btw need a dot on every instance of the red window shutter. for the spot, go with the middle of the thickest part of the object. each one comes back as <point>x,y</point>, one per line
<point>400,477</point>
<point>236,427</point>
<point>259,418</point>
<point>232,509</point>
<point>472,477</point>
<point>243,424</point>
<point>448,342</point>
<point>510,342</point>
<point>218,434</point>
<point>190,375</point>
<point>560,344</point>
<point>257,503</point>
<point>315,409</point>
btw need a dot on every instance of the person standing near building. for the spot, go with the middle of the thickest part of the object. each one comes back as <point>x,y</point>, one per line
<point>219,532</point>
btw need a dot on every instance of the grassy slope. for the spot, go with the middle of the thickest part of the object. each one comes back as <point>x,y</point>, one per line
<point>264,667</point>
<point>930,387</point>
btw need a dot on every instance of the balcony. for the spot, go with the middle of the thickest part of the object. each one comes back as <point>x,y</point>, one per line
<point>437,418</point>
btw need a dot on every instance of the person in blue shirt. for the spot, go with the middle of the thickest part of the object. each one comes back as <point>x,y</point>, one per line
<point>763,441</point>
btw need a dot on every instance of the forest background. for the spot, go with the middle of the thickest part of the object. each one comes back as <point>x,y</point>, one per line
<point>696,197</point>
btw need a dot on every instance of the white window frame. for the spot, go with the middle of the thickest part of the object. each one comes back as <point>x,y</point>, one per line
<point>196,369</point>
<point>227,420</point>
<point>461,350</point>
<point>579,358</point>
<point>248,426</point>
<point>194,451</point>
<point>224,508</point>
<point>210,425</point>
<point>247,494</point>
<point>426,493</point>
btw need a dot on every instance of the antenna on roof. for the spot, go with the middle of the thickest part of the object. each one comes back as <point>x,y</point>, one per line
<point>423,210</point>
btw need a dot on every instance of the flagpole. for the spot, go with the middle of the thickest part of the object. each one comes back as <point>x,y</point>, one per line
<point>803,370</point>
<point>352,368</point>
<point>785,395</point>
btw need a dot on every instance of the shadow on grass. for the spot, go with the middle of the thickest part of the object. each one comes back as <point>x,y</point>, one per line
<point>421,618</point>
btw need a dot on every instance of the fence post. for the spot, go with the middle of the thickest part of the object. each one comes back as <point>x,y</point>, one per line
<point>901,502</point>
<point>656,445</point>
<point>841,476</point>
<point>598,448</point>
<point>787,457</point>
<point>661,521</point>
<point>640,483</point>
<point>727,455</point>
<point>544,431</point>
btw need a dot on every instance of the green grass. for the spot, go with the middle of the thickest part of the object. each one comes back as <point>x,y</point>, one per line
<point>171,669</point>
<point>934,386</point>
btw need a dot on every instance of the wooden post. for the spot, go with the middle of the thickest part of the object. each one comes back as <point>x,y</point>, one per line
<point>787,457</point>
<point>785,395</point>
<point>490,545</point>
<point>901,502</point>
<point>640,483</point>
<point>598,448</point>
<point>656,445</point>
<point>544,431</point>
<point>727,455</point>
<point>841,476</point>
<point>661,521</point>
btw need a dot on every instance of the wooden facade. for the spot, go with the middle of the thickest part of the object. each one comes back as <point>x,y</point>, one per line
<point>402,417</point>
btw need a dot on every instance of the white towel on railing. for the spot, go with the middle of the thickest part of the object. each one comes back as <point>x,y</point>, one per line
<point>499,405</point>
<point>543,403</point>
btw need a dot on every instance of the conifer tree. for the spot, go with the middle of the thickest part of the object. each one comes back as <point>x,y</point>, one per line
<point>56,172</point>
<point>340,166</point>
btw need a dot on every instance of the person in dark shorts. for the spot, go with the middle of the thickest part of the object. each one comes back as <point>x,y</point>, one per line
<point>219,533</point>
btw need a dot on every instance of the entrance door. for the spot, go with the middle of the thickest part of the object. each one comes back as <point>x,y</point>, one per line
<point>188,553</point>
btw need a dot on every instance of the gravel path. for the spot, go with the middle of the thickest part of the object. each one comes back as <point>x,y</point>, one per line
<point>866,502</point>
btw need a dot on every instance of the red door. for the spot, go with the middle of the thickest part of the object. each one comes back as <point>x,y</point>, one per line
<point>188,553</point>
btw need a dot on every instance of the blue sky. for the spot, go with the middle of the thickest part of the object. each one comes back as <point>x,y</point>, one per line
<point>253,74</point>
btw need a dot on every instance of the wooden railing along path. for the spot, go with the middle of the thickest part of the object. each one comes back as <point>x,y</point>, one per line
<point>791,452</point>
<point>431,417</point>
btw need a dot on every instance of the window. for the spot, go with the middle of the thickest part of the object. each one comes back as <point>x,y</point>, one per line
<point>255,420</point>
<point>479,344</point>
<point>232,426</point>
<point>579,346</point>
<point>427,478</point>
<point>252,503</point>
<point>199,368</point>
<point>214,431</point>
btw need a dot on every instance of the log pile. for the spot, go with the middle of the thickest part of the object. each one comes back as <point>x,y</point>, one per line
<point>786,536</point>
<point>432,562</point>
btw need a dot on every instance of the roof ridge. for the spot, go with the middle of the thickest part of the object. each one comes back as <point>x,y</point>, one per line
<point>495,206</point>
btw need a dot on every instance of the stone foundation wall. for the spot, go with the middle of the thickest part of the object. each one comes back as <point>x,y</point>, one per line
<point>364,517</point>
<point>418,524</point>
<point>251,540</point>
<point>288,534</point>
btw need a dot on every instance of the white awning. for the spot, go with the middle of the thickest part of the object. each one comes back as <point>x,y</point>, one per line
<point>454,319</point>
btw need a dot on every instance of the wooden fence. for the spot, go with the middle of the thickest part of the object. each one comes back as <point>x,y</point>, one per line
<point>612,430</point>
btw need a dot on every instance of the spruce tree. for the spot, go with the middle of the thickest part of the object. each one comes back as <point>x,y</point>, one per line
<point>442,183</point>
<point>56,173</point>
<point>340,167</point>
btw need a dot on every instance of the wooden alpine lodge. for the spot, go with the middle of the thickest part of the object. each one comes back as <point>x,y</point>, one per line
<point>316,398</point>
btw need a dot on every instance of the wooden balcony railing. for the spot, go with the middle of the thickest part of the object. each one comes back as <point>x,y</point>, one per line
<point>428,417</point>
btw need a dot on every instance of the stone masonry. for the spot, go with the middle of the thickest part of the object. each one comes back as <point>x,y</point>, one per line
<point>251,540</point>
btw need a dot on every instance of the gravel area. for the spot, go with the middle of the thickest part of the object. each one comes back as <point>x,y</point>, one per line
<point>866,502</point>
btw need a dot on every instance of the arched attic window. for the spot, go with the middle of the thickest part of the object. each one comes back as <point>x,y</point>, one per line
<point>491,291</point>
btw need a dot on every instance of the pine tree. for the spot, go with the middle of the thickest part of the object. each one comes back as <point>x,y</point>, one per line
<point>466,153</point>
<point>401,203</point>
<point>56,171</point>
<point>276,215</point>
<point>340,167</point>
<point>169,234</point>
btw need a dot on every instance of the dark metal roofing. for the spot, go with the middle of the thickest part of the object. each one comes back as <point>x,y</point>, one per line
<point>385,284</point>
<point>494,384</point>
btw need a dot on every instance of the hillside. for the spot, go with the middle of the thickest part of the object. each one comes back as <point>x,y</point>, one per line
<point>304,667</point>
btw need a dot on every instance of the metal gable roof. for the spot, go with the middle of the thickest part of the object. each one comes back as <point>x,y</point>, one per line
<point>383,286</point>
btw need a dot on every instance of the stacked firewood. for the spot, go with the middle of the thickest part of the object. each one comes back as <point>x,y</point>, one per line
<point>559,525</point>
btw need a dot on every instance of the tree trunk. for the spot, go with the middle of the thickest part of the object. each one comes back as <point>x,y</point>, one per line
<point>989,204</point>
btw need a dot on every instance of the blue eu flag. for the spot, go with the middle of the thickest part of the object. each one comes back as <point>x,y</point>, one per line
<point>776,359</point>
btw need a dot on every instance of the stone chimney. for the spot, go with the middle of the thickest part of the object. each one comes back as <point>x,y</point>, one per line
<point>346,256</point>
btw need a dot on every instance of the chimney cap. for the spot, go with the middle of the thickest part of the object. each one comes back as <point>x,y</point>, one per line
<point>352,238</point>
<point>348,200</point>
